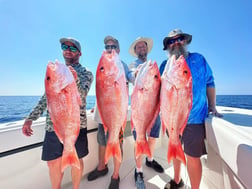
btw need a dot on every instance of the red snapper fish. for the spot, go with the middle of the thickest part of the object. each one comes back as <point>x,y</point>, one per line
<point>145,104</point>
<point>63,103</point>
<point>112,100</point>
<point>176,103</point>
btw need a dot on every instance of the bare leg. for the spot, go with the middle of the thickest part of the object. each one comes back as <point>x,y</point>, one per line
<point>139,161</point>
<point>152,142</point>
<point>55,173</point>
<point>117,165</point>
<point>176,167</point>
<point>101,152</point>
<point>77,174</point>
<point>194,169</point>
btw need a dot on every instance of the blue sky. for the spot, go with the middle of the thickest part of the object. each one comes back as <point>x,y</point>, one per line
<point>30,32</point>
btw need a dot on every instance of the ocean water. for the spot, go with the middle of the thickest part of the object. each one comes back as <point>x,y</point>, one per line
<point>14,108</point>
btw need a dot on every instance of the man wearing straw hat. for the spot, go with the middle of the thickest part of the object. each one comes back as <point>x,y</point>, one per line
<point>203,103</point>
<point>140,49</point>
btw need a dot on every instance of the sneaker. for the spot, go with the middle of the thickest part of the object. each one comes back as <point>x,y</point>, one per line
<point>173,185</point>
<point>97,173</point>
<point>114,183</point>
<point>139,180</point>
<point>155,165</point>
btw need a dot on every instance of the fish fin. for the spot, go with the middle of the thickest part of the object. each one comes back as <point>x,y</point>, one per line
<point>163,127</point>
<point>58,133</point>
<point>132,124</point>
<point>105,128</point>
<point>71,159</point>
<point>182,129</point>
<point>113,150</point>
<point>124,124</point>
<point>73,72</point>
<point>154,119</point>
<point>142,147</point>
<point>175,152</point>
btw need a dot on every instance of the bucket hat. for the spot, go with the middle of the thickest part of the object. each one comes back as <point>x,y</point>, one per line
<point>174,33</point>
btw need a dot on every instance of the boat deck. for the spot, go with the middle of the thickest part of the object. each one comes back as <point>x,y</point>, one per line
<point>153,180</point>
<point>227,164</point>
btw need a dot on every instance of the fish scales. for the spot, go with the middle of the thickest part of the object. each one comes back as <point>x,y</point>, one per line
<point>63,103</point>
<point>176,103</point>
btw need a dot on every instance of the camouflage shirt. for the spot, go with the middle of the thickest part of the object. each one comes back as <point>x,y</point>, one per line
<point>84,81</point>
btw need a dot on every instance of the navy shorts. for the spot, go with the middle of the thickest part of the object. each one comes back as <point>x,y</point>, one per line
<point>53,148</point>
<point>193,139</point>
<point>155,130</point>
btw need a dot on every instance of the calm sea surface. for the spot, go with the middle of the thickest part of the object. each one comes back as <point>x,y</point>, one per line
<point>14,108</point>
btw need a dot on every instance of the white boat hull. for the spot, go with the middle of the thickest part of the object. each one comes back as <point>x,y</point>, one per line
<point>227,164</point>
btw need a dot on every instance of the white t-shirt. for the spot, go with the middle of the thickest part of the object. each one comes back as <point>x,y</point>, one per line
<point>97,116</point>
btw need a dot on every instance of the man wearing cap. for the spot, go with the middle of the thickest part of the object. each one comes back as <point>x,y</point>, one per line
<point>204,101</point>
<point>110,43</point>
<point>140,49</point>
<point>52,147</point>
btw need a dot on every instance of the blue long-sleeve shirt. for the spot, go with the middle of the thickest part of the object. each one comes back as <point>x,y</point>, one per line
<point>202,78</point>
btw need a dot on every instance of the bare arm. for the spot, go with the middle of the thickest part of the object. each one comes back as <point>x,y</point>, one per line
<point>34,115</point>
<point>27,131</point>
<point>211,97</point>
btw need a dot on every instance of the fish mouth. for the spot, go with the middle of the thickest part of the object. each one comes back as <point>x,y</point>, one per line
<point>52,66</point>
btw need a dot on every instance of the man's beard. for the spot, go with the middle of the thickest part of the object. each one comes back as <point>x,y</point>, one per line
<point>142,56</point>
<point>72,60</point>
<point>178,50</point>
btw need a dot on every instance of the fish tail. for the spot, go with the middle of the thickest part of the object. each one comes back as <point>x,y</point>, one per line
<point>142,147</point>
<point>113,150</point>
<point>70,158</point>
<point>175,152</point>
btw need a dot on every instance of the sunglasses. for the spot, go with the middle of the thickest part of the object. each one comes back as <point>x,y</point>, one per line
<point>110,47</point>
<point>71,48</point>
<point>179,39</point>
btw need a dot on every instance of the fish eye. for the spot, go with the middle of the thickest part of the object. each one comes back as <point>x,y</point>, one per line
<point>102,69</point>
<point>185,72</point>
<point>156,76</point>
<point>48,78</point>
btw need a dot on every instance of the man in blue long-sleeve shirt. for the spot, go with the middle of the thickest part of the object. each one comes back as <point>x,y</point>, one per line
<point>204,100</point>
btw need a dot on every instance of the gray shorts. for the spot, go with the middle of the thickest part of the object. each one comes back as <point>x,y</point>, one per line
<point>193,139</point>
<point>102,138</point>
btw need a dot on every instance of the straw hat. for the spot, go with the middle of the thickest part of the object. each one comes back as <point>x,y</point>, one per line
<point>148,41</point>
<point>174,33</point>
